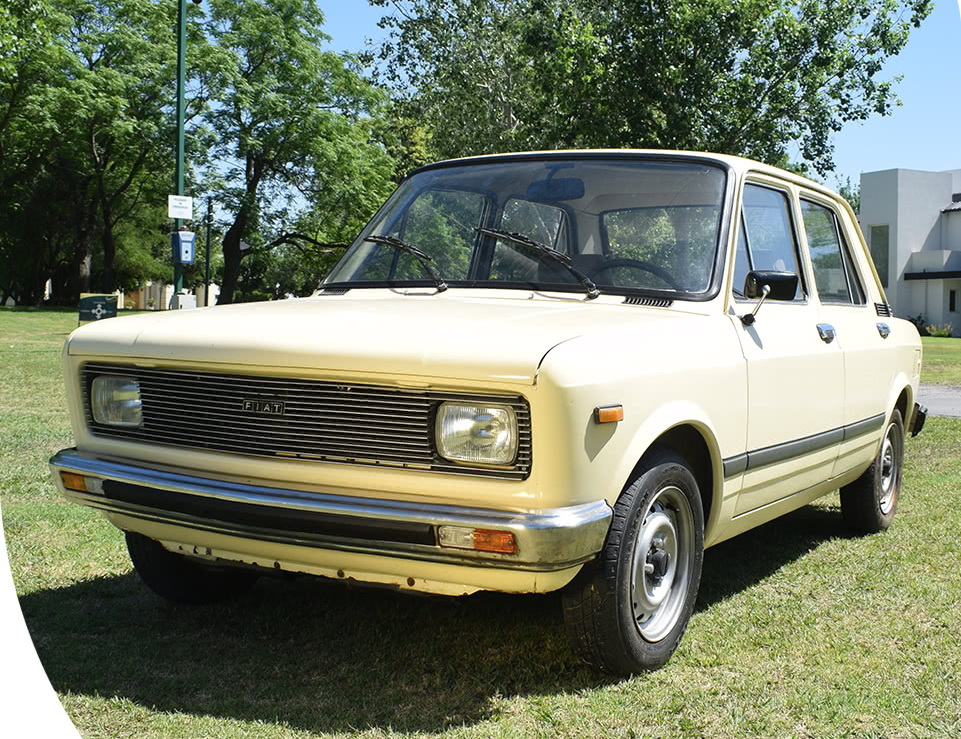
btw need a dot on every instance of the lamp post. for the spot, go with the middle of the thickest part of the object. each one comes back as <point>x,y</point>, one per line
<point>181,83</point>
<point>210,220</point>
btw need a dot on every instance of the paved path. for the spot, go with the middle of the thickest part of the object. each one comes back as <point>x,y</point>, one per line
<point>941,400</point>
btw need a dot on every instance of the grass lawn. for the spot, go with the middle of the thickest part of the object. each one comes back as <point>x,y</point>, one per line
<point>801,630</point>
<point>942,361</point>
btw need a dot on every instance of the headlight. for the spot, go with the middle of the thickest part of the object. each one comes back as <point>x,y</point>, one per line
<point>480,434</point>
<point>115,401</point>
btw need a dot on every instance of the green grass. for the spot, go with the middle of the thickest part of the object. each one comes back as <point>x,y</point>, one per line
<point>801,630</point>
<point>942,361</point>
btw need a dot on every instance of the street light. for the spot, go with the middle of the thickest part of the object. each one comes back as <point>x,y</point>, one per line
<point>181,83</point>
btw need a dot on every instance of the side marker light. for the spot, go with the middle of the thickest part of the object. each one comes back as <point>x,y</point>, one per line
<point>609,414</point>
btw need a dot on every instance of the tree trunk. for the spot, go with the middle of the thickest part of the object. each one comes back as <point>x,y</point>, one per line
<point>232,257</point>
<point>109,244</point>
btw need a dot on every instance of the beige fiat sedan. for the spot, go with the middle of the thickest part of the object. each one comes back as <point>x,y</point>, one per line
<point>531,372</point>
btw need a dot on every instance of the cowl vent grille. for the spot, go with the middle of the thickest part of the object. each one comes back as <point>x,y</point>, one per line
<point>307,420</point>
<point>649,302</point>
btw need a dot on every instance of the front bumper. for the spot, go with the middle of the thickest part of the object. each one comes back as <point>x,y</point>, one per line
<point>546,541</point>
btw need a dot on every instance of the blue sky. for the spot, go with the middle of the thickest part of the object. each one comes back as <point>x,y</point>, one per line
<point>924,133</point>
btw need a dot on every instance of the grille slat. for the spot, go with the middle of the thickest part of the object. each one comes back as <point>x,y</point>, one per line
<point>311,420</point>
<point>172,391</point>
<point>293,440</point>
<point>308,421</point>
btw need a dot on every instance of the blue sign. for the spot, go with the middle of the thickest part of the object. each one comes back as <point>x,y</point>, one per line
<point>94,306</point>
<point>182,243</point>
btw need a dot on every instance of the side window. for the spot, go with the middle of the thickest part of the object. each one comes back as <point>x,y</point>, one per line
<point>768,233</point>
<point>834,274</point>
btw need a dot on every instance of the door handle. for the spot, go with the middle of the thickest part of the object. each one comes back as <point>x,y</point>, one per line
<point>827,332</point>
<point>884,330</point>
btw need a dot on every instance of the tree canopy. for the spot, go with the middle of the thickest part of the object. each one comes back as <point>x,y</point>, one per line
<point>291,124</point>
<point>297,146</point>
<point>280,132</point>
<point>748,77</point>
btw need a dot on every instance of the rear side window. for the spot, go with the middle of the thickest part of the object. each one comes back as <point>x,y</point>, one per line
<point>834,276</point>
<point>767,234</point>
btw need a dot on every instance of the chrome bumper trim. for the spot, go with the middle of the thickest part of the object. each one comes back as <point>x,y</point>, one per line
<point>547,540</point>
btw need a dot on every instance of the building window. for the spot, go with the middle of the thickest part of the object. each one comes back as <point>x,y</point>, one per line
<point>879,252</point>
<point>953,301</point>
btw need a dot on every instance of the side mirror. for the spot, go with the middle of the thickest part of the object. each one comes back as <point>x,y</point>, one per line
<point>783,285</point>
<point>763,284</point>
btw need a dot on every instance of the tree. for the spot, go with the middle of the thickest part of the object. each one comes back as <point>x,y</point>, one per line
<point>116,103</point>
<point>745,77</point>
<point>292,126</point>
<point>850,192</point>
<point>86,140</point>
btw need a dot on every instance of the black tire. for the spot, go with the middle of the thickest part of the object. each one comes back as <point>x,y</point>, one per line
<point>869,503</point>
<point>182,580</point>
<point>624,620</point>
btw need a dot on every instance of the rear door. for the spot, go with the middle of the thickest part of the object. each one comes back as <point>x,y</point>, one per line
<point>860,332</point>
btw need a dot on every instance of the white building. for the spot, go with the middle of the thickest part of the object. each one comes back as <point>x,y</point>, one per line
<point>912,222</point>
<point>159,296</point>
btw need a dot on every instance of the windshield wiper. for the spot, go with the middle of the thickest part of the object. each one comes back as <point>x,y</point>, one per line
<point>419,255</point>
<point>562,259</point>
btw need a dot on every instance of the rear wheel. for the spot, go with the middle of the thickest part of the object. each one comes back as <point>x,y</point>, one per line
<point>869,503</point>
<point>183,580</point>
<point>626,611</point>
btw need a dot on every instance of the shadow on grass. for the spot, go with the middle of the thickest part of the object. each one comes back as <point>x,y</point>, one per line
<point>738,563</point>
<point>321,657</point>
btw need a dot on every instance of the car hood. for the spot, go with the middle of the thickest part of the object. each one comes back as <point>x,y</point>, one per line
<point>456,335</point>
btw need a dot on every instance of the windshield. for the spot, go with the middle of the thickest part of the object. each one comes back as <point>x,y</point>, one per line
<point>624,224</point>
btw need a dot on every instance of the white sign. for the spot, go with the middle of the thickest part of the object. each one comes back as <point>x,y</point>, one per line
<point>180,206</point>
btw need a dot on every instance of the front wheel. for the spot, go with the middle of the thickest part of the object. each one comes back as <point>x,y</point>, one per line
<point>626,611</point>
<point>869,503</point>
<point>183,580</point>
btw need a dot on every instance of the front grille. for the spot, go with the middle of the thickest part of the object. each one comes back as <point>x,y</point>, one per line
<point>309,420</point>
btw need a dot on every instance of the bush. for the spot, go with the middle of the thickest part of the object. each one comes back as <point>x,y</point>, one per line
<point>940,329</point>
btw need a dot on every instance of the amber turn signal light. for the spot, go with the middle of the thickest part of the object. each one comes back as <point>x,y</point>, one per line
<point>609,414</point>
<point>73,481</point>
<point>502,542</point>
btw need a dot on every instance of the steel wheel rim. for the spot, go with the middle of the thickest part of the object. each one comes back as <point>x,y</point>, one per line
<point>661,564</point>
<point>890,464</point>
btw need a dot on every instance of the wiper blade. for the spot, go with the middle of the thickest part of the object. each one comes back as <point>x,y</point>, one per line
<point>562,259</point>
<point>419,255</point>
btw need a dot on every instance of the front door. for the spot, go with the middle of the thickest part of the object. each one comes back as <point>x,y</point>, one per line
<point>795,366</point>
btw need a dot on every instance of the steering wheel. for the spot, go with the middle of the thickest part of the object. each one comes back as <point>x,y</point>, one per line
<point>637,264</point>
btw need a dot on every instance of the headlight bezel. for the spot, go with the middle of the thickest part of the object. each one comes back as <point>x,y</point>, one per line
<point>116,401</point>
<point>503,420</point>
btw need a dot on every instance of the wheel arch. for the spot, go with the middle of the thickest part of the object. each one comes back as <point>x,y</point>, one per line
<point>903,404</point>
<point>700,450</point>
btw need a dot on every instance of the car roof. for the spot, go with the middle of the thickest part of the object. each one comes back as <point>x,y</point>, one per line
<point>737,164</point>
